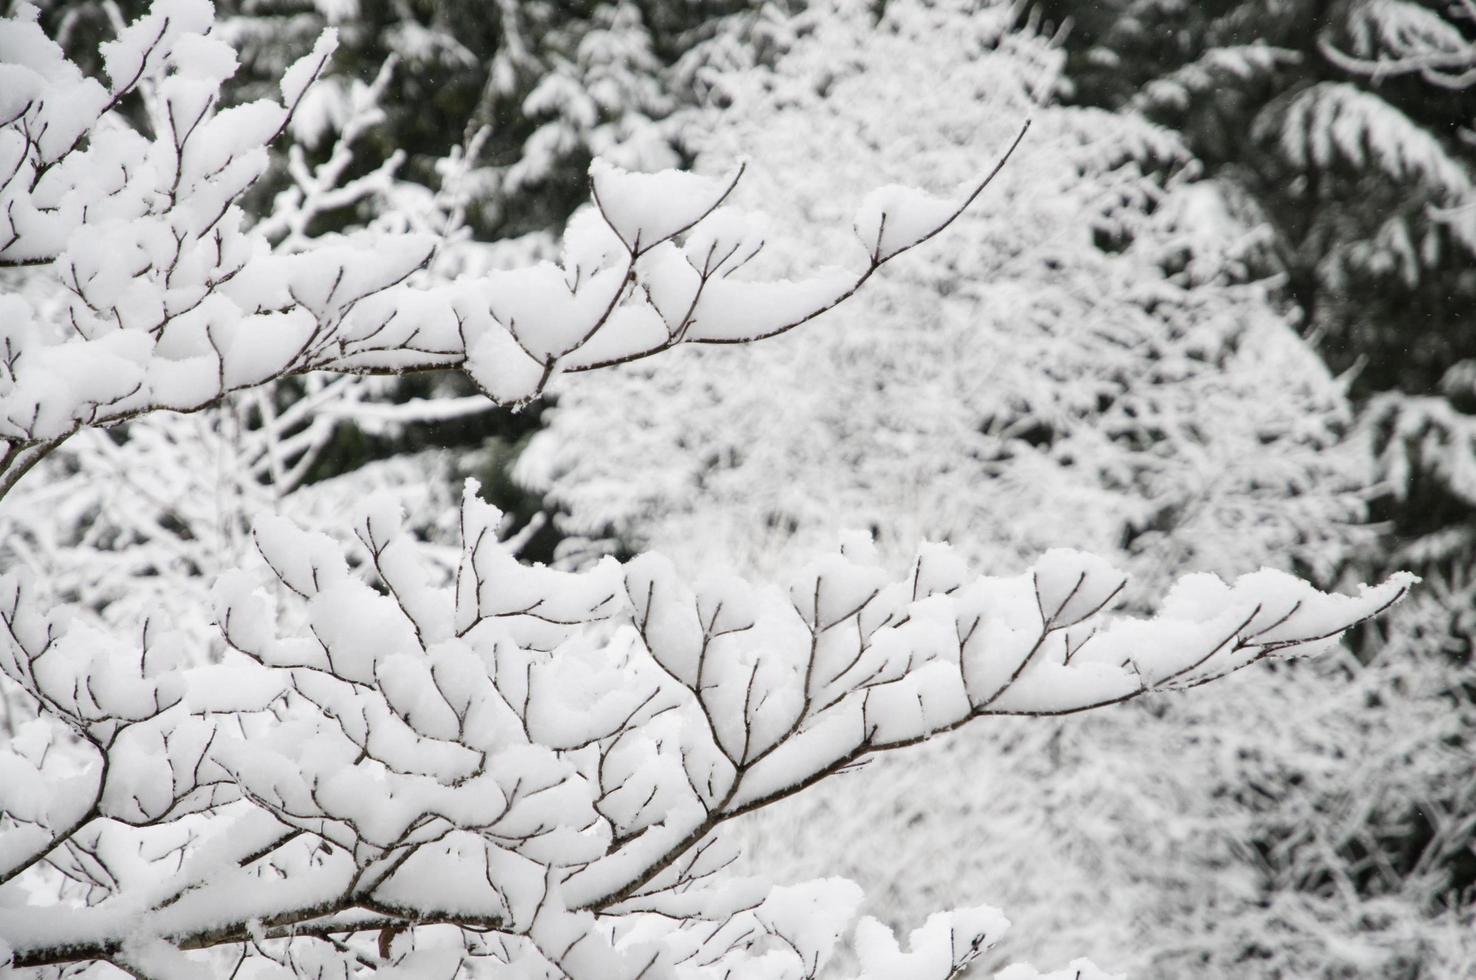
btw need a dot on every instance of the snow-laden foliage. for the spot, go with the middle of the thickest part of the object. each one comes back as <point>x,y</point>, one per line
<point>399,761</point>
<point>1360,168</point>
<point>1332,125</point>
<point>1241,62</point>
<point>1098,385</point>
<point>1071,370</point>
<point>500,755</point>
<point>1396,37</point>
<point>1359,158</point>
<point>1425,441</point>
<point>598,91</point>
<point>1339,128</point>
<point>1258,830</point>
<point>137,526</point>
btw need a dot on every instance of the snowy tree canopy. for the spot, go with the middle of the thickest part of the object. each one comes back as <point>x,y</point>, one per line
<point>399,764</point>
<point>1077,366</point>
<point>1345,131</point>
<point>1072,369</point>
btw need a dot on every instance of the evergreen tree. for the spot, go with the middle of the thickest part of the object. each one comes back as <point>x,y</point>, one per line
<point>1346,130</point>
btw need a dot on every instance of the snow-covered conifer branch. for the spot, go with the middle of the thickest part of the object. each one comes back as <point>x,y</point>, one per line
<point>537,755</point>
<point>1396,37</point>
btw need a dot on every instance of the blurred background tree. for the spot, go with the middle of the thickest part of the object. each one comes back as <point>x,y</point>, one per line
<point>1345,130</point>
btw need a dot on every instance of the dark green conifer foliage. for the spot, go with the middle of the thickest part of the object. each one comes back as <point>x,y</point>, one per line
<point>1363,178</point>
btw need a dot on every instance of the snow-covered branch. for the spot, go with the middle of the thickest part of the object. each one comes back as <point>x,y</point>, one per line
<point>1396,37</point>
<point>538,755</point>
<point>173,303</point>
